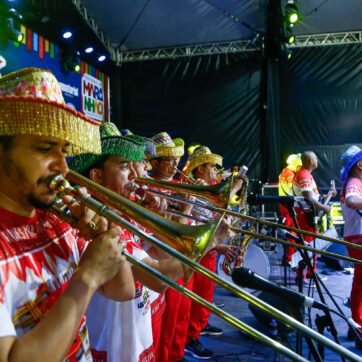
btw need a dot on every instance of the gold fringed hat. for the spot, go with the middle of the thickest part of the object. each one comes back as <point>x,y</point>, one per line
<point>166,147</point>
<point>31,103</point>
<point>200,156</point>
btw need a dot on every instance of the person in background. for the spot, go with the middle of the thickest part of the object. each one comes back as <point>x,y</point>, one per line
<point>351,202</point>
<point>305,185</point>
<point>203,167</point>
<point>285,188</point>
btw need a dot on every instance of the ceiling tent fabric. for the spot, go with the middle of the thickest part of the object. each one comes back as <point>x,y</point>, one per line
<point>328,16</point>
<point>161,23</point>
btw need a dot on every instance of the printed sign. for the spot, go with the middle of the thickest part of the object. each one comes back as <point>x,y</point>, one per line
<point>92,97</point>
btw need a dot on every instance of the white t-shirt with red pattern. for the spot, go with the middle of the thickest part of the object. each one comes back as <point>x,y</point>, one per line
<point>352,219</point>
<point>304,181</point>
<point>122,331</point>
<point>38,256</point>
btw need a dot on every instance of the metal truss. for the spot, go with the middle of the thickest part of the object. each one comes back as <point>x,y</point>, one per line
<point>232,47</point>
<point>317,40</point>
<point>186,51</point>
<point>93,25</point>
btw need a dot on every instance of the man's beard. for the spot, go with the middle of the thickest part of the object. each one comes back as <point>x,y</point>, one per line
<point>36,201</point>
<point>39,204</point>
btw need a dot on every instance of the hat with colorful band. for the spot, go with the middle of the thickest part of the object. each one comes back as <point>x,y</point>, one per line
<point>349,158</point>
<point>116,145</point>
<point>31,103</point>
<point>168,147</point>
<point>200,156</point>
<point>150,150</point>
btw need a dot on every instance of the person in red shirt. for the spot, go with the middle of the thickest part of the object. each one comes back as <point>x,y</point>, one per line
<point>304,185</point>
<point>48,272</point>
<point>203,167</point>
<point>351,202</point>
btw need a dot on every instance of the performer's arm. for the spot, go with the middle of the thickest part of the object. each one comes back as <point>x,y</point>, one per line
<point>354,202</point>
<point>318,205</point>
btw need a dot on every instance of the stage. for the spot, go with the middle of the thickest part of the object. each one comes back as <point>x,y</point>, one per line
<point>234,346</point>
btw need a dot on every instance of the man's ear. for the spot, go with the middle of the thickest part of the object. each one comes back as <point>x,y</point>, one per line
<point>96,175</point>
<point>359,164</point>
<point>153,163</point>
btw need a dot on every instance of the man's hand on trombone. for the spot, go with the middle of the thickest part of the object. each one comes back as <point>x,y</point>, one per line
<point>103,266</point>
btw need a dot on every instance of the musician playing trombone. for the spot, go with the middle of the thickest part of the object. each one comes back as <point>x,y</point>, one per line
<point>48,272</point>
<point>123,331</point>
<point>202,166</point>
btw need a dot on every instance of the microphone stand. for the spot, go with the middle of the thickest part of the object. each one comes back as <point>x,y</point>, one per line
<point>322,322</point>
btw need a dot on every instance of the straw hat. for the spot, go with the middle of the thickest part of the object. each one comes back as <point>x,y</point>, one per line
<point>150,150</point>
<point>200,156</point>
<point>31,103</point>
<point>167,147</point>
<point>349,158</point>
<point>113,144</point>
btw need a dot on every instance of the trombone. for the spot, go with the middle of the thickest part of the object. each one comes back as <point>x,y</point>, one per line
<point>253,233</point>
<point>159,225</point>
<point>217,194</point>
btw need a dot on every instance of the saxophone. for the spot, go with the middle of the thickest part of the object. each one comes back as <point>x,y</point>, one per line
<point>241,241</point>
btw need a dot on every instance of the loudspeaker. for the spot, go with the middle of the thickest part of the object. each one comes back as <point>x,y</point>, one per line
<point>334,262</point>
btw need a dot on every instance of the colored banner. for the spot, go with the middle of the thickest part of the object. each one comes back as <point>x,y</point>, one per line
<point>92,97</point>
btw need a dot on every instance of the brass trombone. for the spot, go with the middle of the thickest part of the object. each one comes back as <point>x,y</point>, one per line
<point>153,222</point>
<point>221,192</point>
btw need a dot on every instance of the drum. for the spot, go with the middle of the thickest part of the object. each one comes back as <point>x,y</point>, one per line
<point>255,259</point>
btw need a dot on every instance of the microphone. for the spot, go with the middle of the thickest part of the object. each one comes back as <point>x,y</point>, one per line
<point>254,199</point>
<point>246,278</point>
<point>286,234</point>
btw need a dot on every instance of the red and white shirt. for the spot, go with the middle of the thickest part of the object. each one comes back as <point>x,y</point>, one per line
<point>122,331</point>
<point>352,218</point>
<point>38,257</point>
<point>304,181</point>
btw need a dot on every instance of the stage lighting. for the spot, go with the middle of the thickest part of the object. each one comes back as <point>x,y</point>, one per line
<point>102,58</point>
<point>70,60</point>
<point>89,50</point>
<point>67,34</point>
<point>291,12</point>
<point>289,36</point>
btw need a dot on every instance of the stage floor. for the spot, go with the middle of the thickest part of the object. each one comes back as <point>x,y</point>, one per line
<point>234,346</point>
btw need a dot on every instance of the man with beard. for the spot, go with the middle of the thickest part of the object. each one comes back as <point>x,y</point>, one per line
<point>48,273</point>
<point>122,331</point>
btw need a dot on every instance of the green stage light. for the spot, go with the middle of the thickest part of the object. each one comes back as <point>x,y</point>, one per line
<point>291,13</point>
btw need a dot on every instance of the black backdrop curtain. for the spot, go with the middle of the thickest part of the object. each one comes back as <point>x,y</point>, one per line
<point>210,100</point>
<point>321,104</point>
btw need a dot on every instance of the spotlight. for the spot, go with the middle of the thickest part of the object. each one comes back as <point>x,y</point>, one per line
<point>70,60</point>
<point>89,50</point>
<point>67,34</point>
<point>289,36</point>
<point>101,58</point>
<point>291,12</point>
<point>285,52</point>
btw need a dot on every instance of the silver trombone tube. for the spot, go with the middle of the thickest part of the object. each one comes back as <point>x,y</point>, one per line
<point>63,186</point>
<point>254,219</point>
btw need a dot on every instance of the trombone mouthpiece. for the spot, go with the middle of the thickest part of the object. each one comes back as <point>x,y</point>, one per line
<point>59,183</point>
